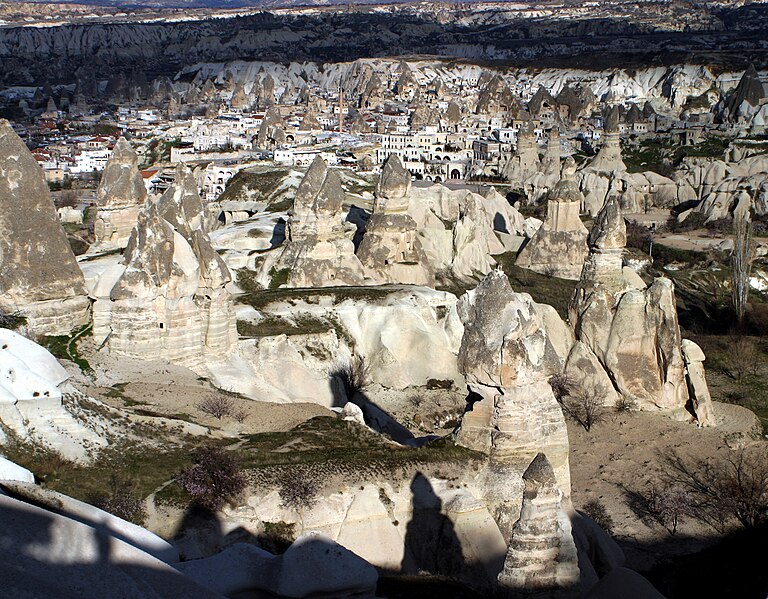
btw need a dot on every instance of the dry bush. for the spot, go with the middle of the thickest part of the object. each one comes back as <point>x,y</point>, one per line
<point>121,501</point>
<point>217,406</point>
<point>723,489</point>
<point>353,374</point>
<point>625,404</point>
<point>214,479</point>
<point>743,357</point>
<point>299,493</point>
<point>666,506</point>
<point>595,509</point>
<point>560,384</point>
<point>585,406</point>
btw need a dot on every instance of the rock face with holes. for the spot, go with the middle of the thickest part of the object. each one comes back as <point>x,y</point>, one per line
<point>168,299</point>
<point>119,198</point>
<point>510,348</point>
<point>631,328</point>
<point>319,252</point>
<point>559,247</point>
<point>39,277</point>
<point>542,555</point>
<point>391,251</point>
<point>525,161</point>
<point>31,398</point>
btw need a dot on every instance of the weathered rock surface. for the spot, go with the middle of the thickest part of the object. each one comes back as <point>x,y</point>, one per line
<point>525,161</point>
<point>542,555</point>
<point>631,329</point>
<point>169,301</point>
<point>31,399</point>
<point>559,247</point>
<point>39,277</point>
<point>391,251</point>
<point>119,198</point>
<point>697,383</point>
<point>318,251</point>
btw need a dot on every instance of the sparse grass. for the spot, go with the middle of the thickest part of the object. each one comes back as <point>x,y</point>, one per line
<point>271,325</point>
<point>64,347</point>
<point>542,288</point>
<point>278,277</point>
<point>261,298</point>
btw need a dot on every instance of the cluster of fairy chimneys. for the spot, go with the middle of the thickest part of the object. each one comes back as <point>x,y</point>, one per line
<point>319,251</point>
<point>165,298</point>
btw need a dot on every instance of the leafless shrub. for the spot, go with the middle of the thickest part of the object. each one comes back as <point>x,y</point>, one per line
<point>121,500</point>
<point>743,357</point>
<point>585,406</point>
<point>723,489</point>
<point>665,507</point>
<point>68,198</point>
<point>625,404</point>
<point>560,384</point>
<point>299,493</point>
<point>353,375</point>
<point>239,415</point>
<point>595,509</point>
<point>214,479</point>
<point>217,406</point>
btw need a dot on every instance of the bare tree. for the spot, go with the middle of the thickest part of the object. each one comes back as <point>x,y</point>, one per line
<point>743,357</point>
<point>353,374</point>
<point>298,493</point>
<point>741,263</point>
<point>217,406</point>
<point>726,488</point>
<point>585,406</point>
<point>666,506</point>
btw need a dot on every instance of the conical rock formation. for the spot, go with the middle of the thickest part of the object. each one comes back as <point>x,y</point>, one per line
<point>39,277</point>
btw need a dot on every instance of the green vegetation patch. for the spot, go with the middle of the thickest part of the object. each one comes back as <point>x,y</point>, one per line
<point>261,298</point>
<point>271,325</point>
<point>64,347</point>
<point>254,185</point>
<point>543,289</point>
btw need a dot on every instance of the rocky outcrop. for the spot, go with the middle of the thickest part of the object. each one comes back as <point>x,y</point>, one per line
<point>697,383</point>
<point>39,277</point>
<point>525,161</point>
<point>168,299</point>
<point>559,247</point>
<point>542,557</point>
<point>608,158</point>
<point>319,252</point>
<point>631,329</point>
<point>119,198</point>
<point>508,352</point>
<point>391,251</point>
<point>31,399</point>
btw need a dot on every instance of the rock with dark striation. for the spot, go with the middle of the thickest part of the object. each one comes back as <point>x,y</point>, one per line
<point>747,96</point>
<point>542,557</point>
<point>120,195</point>
<point>39,277</point>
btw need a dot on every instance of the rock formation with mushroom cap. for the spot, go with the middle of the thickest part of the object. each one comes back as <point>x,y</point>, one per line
<point>39,277</point>
<point>608,158</point>
<point>525,161</point>
<point>391,251</point>
<point>559,247</point>
<point>319,252</point>
<point>120,195</point>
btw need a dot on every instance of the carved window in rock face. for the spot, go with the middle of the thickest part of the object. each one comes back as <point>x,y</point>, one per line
<point>162,325</point>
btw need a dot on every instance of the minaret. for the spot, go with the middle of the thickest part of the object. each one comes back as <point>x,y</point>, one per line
<point>341,108</point>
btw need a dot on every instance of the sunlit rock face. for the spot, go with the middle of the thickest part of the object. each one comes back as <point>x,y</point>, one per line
<point>525,161</point>
<point>391,251</point>
<point>169,301</point>
<point>542,554</point>
<point>632,329</point>
<point>119,198</point>
<point>559,247</point>
<point>319,252</point>
<point>39,277</point>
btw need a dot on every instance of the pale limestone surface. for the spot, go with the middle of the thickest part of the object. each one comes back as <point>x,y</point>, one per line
<point>559,247</point>
<point>119,198</point>
<point>542,555</point>
<point>39,277</point>
<point>697,383</point>
<point>31,398</point>
<point>170,301</point>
